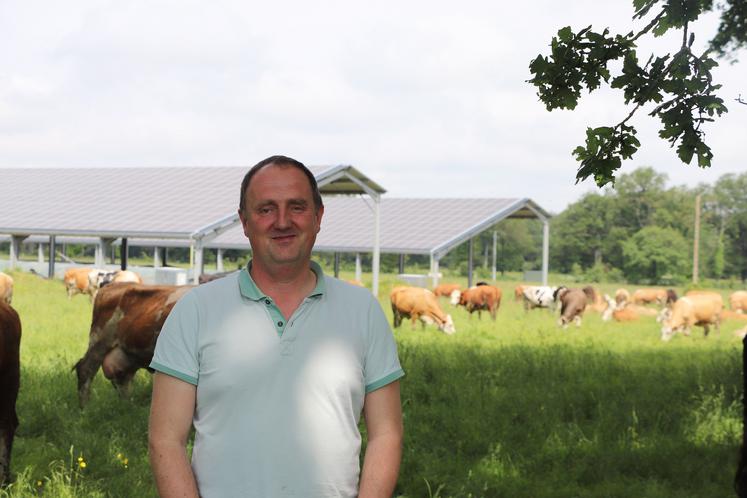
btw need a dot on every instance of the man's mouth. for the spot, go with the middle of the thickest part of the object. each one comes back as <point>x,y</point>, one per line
<point>284,237</point>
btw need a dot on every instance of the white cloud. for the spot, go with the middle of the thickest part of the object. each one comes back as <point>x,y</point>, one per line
<point>427,98</point>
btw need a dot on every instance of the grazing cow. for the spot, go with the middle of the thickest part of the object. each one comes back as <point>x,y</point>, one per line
<point>6,288</point>
<point>10,340</point>
<point>646,296</point>
<point>99,278</point>
<point>572,305</point>
<point>483,297</point>
<point>698,309</point>
<point>418,303</point>
<point>445,289</point>
<point>519,292</point>
<point>539,297</point>
<point>77,281</point>
<point>622,296</point>
<point>127,319</point>
<point>738,301</point>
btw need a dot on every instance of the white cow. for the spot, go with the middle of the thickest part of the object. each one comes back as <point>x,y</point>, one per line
<point>539,296</point>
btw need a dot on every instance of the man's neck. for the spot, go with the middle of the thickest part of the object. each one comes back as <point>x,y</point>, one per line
<point>284,283</point>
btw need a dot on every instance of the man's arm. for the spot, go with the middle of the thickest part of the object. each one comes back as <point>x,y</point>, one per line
<point>383,413</point>
<point>171,411</point>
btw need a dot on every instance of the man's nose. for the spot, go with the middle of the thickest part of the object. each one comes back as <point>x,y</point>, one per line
<point>283,218</point>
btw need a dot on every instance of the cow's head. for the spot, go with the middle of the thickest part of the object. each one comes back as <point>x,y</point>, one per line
<point>667,330</point>
<point>448,326</point>
<point>664,315</point>
<point>455,297</point>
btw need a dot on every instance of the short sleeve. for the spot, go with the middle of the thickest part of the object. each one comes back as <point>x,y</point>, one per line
<point>176,351</point>
<point>382,365</point>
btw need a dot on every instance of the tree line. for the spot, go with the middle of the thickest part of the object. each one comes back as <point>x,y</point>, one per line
<point>643,231</point>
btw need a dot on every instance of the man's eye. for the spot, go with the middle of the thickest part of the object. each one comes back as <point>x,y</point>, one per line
<point>265,210</point>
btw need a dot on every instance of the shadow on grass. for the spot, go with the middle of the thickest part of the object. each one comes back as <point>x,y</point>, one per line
<point>562,421</point>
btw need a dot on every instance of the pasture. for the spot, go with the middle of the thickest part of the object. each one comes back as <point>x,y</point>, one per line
<point>512,408</point>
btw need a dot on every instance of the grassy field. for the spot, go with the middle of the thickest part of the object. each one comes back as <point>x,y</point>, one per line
<point>511,408</point>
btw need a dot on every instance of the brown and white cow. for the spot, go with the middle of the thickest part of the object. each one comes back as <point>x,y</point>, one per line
<point>127,319</point>
<point>622,296</point>
<point>594,300</point>
<point>445,289</point>
<point>646,296</point>
<point>99,278</point>
<point>10,340</point>
<point>6,288</point>
<point>481,297</point>
<point>738,301</point>
<point>418,303</point>
<point>702,309</point>
<point>77,281</point>
<point>572,305</point>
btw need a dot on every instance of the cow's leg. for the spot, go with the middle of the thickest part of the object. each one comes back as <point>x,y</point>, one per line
<point>87,367</point>
<point>8,420</point>
<point>577,319</point>
<point>4,455</point>
<point>396,317</point>
<point>706,329</point>
<point>123,383</point>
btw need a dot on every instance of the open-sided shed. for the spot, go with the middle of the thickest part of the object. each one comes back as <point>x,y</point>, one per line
<point>190,204</point>
<point>430,227</point>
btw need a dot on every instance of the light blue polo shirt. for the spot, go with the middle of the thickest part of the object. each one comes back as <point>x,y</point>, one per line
<point>278,402</point>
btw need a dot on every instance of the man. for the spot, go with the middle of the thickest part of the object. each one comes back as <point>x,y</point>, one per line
<point>273,365</point>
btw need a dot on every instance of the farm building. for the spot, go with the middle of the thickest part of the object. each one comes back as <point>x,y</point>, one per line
<point>196,207</point>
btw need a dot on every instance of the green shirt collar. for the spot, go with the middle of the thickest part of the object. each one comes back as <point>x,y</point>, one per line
<point>249,289</point>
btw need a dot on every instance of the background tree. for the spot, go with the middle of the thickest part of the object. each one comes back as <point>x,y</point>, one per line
<point>678,86</point>
<point>655,255</point>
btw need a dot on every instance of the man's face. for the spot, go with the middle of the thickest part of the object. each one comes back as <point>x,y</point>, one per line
<point>279,216</point>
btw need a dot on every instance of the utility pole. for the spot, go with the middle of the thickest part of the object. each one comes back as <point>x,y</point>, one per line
<point>696,241</point>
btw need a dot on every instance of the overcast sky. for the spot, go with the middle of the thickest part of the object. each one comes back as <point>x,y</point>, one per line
<point>427,98</point>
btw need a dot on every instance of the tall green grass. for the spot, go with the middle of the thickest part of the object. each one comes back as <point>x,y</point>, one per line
<point>516,408</point>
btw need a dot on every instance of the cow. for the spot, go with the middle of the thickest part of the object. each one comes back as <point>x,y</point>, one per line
<point>738,301</point>
<point>698,309</point>
<point>539,297</point>
<point>622,296</point>
<point>99,278</point>
<point>127,319</point>
<point>594,300</point>
<point>646,296</point>
<point>519,292</point>
<point>10,340</point>
<point>624,311</point>
<point>6,288</point>
<point>572,305</point>
<point>418,303</point>
<point>483,297</point>
<point>77,282</point>
<point>445,289</point>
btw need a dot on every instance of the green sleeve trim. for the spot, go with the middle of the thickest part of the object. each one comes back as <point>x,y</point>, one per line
<point>386,380</point>
<point>170,371</point>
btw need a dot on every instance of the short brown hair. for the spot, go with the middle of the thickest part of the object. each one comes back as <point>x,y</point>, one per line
<point>281,161</point>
